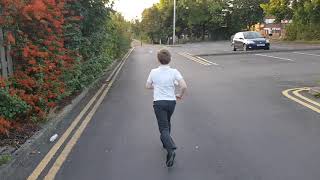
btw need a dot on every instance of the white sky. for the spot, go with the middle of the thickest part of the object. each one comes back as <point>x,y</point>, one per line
<point>131,9</point>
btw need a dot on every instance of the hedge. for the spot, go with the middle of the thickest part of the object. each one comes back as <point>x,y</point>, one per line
<point>59,47</point>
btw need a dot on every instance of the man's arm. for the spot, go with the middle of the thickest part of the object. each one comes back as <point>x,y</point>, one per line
<point>149,85</point>
<point>183,89</point>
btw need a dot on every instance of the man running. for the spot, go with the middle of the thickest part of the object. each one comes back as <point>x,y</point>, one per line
<point>162,80</point>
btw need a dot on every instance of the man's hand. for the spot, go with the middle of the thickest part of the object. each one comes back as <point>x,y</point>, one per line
<point>183,88</point>
<point>179,97</point>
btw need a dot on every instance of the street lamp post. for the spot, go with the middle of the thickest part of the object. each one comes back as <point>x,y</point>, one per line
<point>174,22</point>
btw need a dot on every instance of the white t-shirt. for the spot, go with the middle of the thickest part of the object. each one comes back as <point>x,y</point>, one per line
<point>163,80</point>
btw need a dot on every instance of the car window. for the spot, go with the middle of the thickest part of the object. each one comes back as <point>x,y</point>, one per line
<point>252,35</point>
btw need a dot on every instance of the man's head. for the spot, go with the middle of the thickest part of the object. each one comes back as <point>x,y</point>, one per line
<point>164,57</point>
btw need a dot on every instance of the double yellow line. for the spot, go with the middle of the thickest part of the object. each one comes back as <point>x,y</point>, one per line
<point>295,95</point>
<point>198,59</point>
<point>95,102</point>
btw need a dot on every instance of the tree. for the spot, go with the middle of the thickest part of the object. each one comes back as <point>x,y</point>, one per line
<point>151,22</point>
<point>202,15</point>
<point>248,12</point>
<point>198,18</point>
<point>305,16</point>
<point>306,21</point>
<point>278,8</point>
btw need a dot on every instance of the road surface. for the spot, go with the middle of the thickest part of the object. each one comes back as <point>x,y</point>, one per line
<point>234,123</point>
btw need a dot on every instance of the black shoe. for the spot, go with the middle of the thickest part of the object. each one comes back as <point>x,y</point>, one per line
<point>170,158</point>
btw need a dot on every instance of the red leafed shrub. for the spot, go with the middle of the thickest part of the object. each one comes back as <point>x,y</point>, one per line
<point>58,48</point>
<point>35,32</point>
<point>4,126</point>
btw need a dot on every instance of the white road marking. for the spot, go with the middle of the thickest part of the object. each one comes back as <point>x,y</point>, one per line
<point>275,57</point>
<point>307,54</point>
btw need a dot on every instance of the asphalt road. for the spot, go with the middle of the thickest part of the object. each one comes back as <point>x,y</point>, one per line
<point>224,47</point>
<point>234,123</point>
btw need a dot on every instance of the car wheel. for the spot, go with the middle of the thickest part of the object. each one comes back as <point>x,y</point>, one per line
<point>234,48</point>
<point>267,48</point>
<point>245,48</point>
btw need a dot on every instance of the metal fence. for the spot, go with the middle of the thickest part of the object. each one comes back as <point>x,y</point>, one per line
<point>6,65</point>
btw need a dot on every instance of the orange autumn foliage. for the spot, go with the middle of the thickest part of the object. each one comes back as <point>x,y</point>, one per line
<point>39,49</point>
<point>4,126</point>
<point>2,83</point>
<point>10,38</point>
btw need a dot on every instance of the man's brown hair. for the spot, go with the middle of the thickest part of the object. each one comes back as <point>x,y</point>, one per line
<point>164,56</point>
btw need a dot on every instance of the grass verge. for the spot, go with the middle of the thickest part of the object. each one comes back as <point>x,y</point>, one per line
<point>296,41</point>
<point>4,159</point>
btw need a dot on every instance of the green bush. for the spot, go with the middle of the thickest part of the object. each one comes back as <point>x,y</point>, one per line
<point>83,74</point>
<point>306,21</point>
<point>11,107</point>
<point>297,31</point>
<point>102,37</point>
<point>291,32</point>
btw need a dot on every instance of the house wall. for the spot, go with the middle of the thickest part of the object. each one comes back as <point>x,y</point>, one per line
<point>270,30</point>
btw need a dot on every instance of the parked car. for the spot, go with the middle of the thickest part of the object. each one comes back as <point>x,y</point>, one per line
<point>249,40</point>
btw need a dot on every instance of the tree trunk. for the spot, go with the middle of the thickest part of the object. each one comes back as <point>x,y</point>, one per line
<point>3,59</point>
<point>203,31</point>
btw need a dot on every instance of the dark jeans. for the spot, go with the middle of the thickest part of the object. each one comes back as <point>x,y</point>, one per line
<point>164,111</point>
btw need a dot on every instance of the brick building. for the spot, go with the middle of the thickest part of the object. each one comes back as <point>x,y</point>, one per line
<point>271,29</point>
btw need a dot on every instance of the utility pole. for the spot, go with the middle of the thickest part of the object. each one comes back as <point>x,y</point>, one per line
<point>174,22</point>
